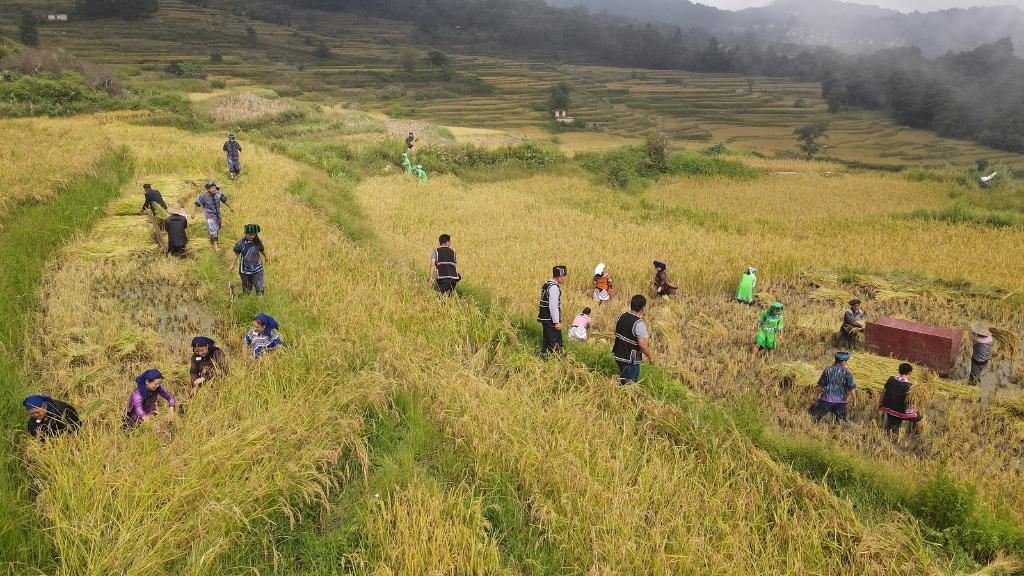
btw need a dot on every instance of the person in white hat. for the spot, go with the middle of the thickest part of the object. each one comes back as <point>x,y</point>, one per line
<point>981,340</point>
<point>602,283</point>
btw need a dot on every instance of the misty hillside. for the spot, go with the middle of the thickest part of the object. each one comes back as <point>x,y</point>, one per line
<point>847,26</point>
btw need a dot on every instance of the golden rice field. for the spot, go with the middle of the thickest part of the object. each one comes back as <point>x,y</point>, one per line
<point>801,231</point>
<point>612,480</point>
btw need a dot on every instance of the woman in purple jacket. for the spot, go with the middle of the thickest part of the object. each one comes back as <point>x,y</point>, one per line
<point>142,403</point>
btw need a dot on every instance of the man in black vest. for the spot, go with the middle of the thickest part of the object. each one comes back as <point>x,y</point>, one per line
<point>550,315</point>
<point>442,266</point>
<point>631,341</point>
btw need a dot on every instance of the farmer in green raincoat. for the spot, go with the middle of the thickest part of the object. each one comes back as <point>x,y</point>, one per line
<point>745,291</point>
<point>769,329</point>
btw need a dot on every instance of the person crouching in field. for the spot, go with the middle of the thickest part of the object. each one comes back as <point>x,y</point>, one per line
<point>580,326</point>
<point>142,402</point>
<point>660,284</point>
<point>208,361</point>
<point>263,338</point>
<point>443,272</point>
<point>249,257</point>
<point>631,337</point>
<point>602,283</point>
<point>176,227</point>
<point>769,327</point>
<point>210,201</point>
<point>233,152</point>
<point>48,417</point>
<point>747,286</point>
<point>895,404</point>
<point>837,389</point>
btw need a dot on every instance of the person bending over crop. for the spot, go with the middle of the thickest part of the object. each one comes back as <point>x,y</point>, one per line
<point>981,350</point>
<point>153,199</point>
<point>604,289</point>
<point>210,201</point>
<point>443,272</point>
<point>580,326</point>
<point>263,338</point>
<point>233,152</point>
<point>176,227</point>
<point>838,389</point>
<point>853,324</point>
<point>249,257</point>
<point>48,417</point>
<point>550,314</point>
<point>142,402</point>
<point>895,404</point>
<point>631,337</point>
<point>747,286</point>
<point>769,327</point>
<point>208,361</point>
<point>660,284</point>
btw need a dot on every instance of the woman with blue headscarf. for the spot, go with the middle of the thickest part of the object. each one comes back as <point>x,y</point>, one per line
<point>263,337</point>
<point>207,361</point>
<point>48,417</point>
<point>142,403</point>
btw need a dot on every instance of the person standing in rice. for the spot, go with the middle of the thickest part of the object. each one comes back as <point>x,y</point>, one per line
<point>895,404</point>
<point>443,272</point>
<point>747,287</point>
<point>769,328</point>
<point>250,254</point>
<point>410,141</point>
<point>211,201</point>
<point>176,227</point>
<point>981,350</point>
<point>853,324</point>
<point>142,402</point>
<point>550,314</point>
<point>208,361</point>
<point>837,390</point>
<point>660,284</point>
<point>48,417</point>
<point>263,338</point>
<point>233,152</point>
<point>604,289</point>
<point>631,337</point>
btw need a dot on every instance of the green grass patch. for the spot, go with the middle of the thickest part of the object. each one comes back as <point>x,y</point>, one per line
<point>961,213</point>
<point>29,237</point>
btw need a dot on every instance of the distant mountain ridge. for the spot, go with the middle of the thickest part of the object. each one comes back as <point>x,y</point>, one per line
<point>846,26</point>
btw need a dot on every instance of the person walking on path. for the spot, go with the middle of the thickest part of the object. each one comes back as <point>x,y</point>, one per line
<point>581,326</point>
<point>48,417</point>
<point>747,286</point>
<point>410,140</point>
<point>660,284</point>
<point>176,227</point>
<point>153,199</point>
<point>837,390</point>
<point>211,201</point>
<point>853,324</point>
<point>981,350</point>
<point>263,338</point>
<point>142,402</point>
<point>250,254</point>
<point>550,314</point>
<point>895,404</point>
<point>631,336</point>
<point>769,328</point>
<point>233,152</point>
<point>208,361</point>
<point>604,289</point>
<point>443,271</point>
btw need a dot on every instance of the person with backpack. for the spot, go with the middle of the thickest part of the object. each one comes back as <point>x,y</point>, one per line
<point>250,255</point>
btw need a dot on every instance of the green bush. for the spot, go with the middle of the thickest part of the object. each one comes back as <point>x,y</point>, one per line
<point>456,159</point>
<point>40,96</point>
<point>704,165</point>
<point>639,165</point>
<point>943,503</point>
<point>961,213</point>
<point>187,69</point>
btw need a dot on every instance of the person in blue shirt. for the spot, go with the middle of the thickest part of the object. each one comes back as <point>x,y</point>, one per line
<point>250,255</point>
<point>211,201</point>
<point>837,389</point>
<point>264,337</point>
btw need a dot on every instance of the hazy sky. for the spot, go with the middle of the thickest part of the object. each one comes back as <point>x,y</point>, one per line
<point>905,5</point>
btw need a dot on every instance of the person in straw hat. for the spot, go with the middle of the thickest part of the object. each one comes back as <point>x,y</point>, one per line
<point>981,350</point>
